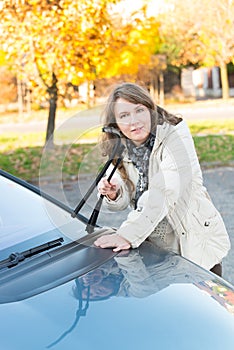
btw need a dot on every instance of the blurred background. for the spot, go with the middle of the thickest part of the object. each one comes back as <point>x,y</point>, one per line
<point>59,60</point>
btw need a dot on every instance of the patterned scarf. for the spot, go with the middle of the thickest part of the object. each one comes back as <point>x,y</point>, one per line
<point>140,155</point>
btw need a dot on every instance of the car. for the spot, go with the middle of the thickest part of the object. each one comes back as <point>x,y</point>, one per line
<point>59,291</point>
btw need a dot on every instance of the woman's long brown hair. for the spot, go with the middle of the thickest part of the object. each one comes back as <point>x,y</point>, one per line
<point>138,95</point>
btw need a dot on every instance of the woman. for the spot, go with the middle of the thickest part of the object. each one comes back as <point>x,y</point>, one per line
<point>160,177</point>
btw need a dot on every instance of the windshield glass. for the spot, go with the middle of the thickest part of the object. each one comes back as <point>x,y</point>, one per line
<point>25,215</point>
<point>66,174</point>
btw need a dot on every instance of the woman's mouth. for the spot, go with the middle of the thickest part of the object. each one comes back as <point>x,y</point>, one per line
<point>137,130</point>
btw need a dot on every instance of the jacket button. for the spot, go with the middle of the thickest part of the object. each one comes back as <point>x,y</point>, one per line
<point>183,233</point>
<point>207,223</point>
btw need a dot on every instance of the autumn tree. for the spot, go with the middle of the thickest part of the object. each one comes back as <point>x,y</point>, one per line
<point>138,38</point>
<point>134,54</point>
<point>217,37</point>
<point>200,32</point>
<point>54,42</point>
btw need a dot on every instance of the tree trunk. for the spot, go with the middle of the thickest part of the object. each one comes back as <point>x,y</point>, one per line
<point>28,100</point>
<point>161,89</point>
<point>224,80</point>
<point>53,97</point>
<point>20,97</point>
<point>154,87</point>
<point>88,95</point>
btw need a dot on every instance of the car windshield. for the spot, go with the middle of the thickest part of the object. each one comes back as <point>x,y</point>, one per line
<point>27,217</point>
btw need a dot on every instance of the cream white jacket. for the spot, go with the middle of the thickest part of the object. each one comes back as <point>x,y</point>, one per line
<point>176,191</point>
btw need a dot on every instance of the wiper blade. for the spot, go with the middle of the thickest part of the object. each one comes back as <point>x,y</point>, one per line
<point>15,258</point>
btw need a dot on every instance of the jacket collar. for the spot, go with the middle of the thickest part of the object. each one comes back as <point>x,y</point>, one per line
<point>162,132</point>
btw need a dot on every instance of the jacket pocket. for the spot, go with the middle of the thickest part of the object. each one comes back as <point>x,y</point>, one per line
<point>207,241</point>
<point>205,215</point>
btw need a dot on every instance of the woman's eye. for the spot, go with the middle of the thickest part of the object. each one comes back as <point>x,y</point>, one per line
<point>123,115</point>
<point>140,110</point>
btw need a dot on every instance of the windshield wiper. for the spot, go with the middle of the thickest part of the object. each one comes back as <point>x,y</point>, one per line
<point>94,216</point>
<point>15,258</point>
<point>117,151</point>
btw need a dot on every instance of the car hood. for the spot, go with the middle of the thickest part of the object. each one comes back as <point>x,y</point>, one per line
<point>145,298</point>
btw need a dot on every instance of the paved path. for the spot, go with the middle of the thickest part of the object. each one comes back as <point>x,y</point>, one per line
<point>219,182</point>
<point>84,120</point>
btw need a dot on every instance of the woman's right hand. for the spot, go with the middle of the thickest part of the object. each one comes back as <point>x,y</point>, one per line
<point>109,189</point>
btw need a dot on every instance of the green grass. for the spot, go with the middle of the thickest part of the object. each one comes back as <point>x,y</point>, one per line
<point>215,148</point>
<point>24,155</point>
<point>207,127</point>
<point>31,162</point>
<point>13,141</point>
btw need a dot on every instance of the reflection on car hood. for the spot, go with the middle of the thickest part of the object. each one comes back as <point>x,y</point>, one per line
<point>141,299</point>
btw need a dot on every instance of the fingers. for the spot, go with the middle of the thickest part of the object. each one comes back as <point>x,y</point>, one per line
<point>108,188</point>
<point>122,247</point>
<point>114,240</point>
<point>105,242</point>
<point>104,185</point>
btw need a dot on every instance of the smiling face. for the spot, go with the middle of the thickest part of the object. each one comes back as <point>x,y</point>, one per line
<point>133,120</point>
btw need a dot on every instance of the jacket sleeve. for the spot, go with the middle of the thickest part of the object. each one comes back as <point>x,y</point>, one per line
<point>169,184</point>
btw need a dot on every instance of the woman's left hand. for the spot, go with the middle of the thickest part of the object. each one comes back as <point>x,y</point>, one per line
<point>114,240</point>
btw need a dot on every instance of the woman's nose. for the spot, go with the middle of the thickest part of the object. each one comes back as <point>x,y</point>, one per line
<point>133,118</point>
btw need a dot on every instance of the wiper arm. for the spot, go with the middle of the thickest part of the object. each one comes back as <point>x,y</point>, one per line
<point>94,216</point>
<point>118,149</point>
<point>15,258</point>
